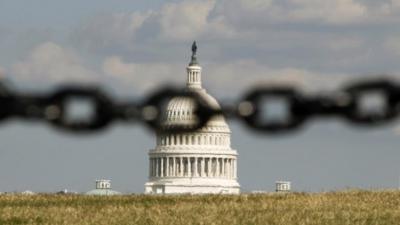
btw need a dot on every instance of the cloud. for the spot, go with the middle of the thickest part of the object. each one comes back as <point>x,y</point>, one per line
<point>181,21</point>
<point>222,78</point>
<point>241,75</point>
<point>141,76</point>
<point>110,30</point>
<point>189,20</point>
<point>300,41</point>
<point>262,13</point>
<point>51,63</point>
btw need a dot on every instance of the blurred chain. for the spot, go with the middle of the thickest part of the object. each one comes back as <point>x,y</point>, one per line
<point>345,103</point>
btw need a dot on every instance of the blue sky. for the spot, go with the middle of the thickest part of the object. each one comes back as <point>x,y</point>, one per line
<point>132,47</point>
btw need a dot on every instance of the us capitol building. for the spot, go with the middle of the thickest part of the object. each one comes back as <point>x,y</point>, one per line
<point>198,162</point>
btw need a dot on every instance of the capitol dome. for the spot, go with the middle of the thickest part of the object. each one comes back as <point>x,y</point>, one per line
<point>193,162</point>
<point>180,111</point>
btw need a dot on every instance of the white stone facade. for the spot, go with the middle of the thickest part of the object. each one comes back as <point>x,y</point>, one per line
<point>283,186</point>
<point>103,184</point>
<point>194,163</point>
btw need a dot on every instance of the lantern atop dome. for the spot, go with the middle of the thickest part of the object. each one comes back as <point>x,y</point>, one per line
<point>193,70</point>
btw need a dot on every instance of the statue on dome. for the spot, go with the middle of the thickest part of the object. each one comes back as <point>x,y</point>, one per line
<point>194,48</point>
<point>194,58</point>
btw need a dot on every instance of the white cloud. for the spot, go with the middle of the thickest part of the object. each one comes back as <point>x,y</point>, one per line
<point>111,30</point>
<point>335,12</point>
<point>186,20</point>
<point>255,13</point>
<point>190,19</point>
<point>51,63</point>
<point>142,76</point>
<point>240,75</point>
<point>222,78</point>
<point>230,78</point>
<point>238,34</point>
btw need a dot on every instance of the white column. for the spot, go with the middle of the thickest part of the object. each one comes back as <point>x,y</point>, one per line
<point>233,169</point>
<point>227,168</point>
<point>217,168</point>
<point>230,168</point>
<point>154,167</point>
<point>195,167</point>
<point>162,166</point>
<point>223,167</point>
<point>212,167</point>
<point>189,168</point>
<point>202,167</point>
<point>167,167</point>
<point>157,166</point>
<point>181,166</point>
<point>173,166</point>
<point>209,167</point>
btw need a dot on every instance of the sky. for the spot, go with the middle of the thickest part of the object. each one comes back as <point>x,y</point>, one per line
<point>132,47</point>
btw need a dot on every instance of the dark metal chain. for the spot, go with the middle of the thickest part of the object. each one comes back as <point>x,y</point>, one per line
<point>346,103</point>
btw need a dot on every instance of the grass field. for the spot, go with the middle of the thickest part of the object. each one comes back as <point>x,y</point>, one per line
<point>341,208</point>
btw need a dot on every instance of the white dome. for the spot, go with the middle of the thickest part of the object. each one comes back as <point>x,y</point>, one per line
<point>180,111</point>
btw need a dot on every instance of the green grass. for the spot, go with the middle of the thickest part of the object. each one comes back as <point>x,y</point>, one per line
<point>341,208</point>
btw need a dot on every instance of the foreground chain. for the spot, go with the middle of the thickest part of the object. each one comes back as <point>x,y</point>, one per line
<point>345,103</point>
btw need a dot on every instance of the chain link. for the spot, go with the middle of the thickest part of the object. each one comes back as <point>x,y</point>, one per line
<point>346,103</point>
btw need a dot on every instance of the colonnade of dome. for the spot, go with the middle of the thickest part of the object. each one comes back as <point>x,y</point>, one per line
<point>217,139</point>
<point>193,166</point>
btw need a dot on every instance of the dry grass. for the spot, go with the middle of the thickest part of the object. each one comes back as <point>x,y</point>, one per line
<point>341,208</point>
